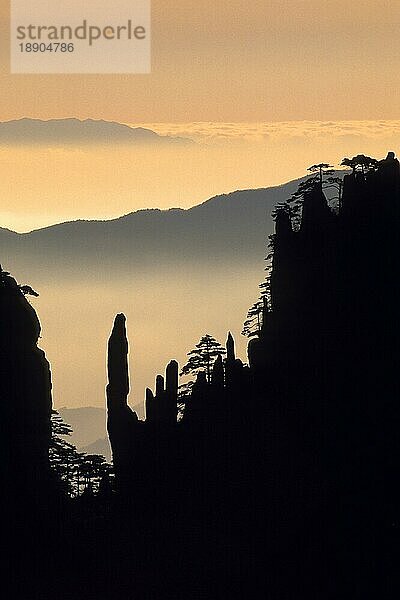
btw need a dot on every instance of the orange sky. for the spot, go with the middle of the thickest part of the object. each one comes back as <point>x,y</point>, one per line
<point>235,61</point>
<point>41,185</point>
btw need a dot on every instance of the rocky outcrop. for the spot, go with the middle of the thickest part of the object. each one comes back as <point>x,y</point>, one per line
<point>25,395</point>
<point>121,420</point>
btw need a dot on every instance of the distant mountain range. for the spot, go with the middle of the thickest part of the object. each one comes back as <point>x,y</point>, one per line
<point>100,446</point>
<point>76,132</point>
<point>88,423</point>
<point>89,429</point>
<point>232,227</point>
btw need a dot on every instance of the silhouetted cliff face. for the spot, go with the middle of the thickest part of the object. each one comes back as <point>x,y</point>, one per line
<point>25,395</point>
<point>329,351</point>
<point>296,455</point>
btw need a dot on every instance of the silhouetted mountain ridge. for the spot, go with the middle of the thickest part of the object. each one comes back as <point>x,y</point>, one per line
<point>73,131</point>
<point>89,428</point>
<point>228,226</point>
<point>100,446</point>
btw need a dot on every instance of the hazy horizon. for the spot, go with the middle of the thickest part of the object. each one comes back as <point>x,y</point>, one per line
<point>175,278</point>
<point>44,185</point>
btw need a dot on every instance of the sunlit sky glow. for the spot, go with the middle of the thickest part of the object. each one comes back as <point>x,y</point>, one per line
<point>42,185</point>
<point>268,60</point>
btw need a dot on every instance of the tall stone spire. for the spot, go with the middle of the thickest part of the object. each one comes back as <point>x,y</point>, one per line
<point>118,375</point>
<point>230,360</point>
<point>171,377</point>
<point>150,413</point>
<point>230,348</point>
<point>217,378</point>
<point>120,417</point>
<point>159,386</point>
